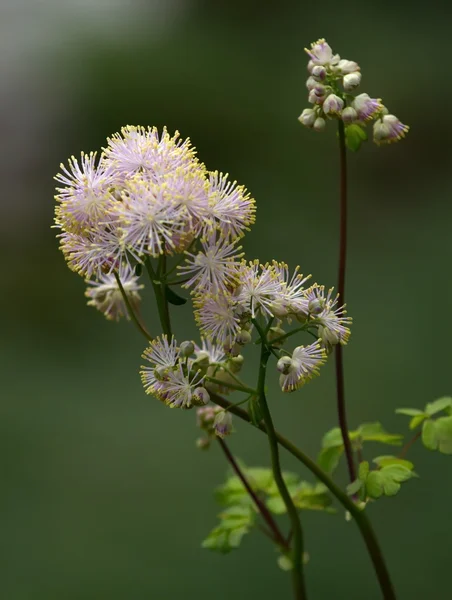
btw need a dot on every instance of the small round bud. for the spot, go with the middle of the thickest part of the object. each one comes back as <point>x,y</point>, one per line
<point>284,365</point>
<point>274,334</point>
<point>319,124</point>
<point>202,359</point>
<point>311,82</point>
<point>311,65</point>
<point>351,81</point>
<point>347,66</point>
<point>315,306</point>
<point>200,396</point>
<point>328,336</point>
<point>279,308</point>
<point>307,117</point>
<point>187,349</point>
<point>160,373</point>
<point>313,98</point>
<point>203,443</point>
<point>243,337</point>
<point>333,105</point>
<point>349,115</point>
<point>319,72</point>
<point>389,129</point>
<point>223,424</point>
<point>235,363</point>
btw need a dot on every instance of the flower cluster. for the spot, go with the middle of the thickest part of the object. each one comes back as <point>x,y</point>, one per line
<point>146,195</point>
<point>331,85</point>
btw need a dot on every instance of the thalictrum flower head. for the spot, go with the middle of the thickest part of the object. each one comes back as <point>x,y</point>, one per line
<point>300,367</point>
<point>214,267</point>
<point>366,107</point>
<point>333,324</point>
<point>181,389</point>
<point>216,316</point>
<point>106,296</point>
<point>321,53</point>
<point>163,355</point>
<point>259,287</point>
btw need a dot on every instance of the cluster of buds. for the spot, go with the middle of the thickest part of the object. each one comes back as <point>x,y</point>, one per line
<point>331,85</point>
<point>213,422</point>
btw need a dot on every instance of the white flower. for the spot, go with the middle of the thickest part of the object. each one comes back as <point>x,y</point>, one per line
<point>366,107</point>
<point>333,324</point>
<point>351,81</point>
<point>216,317</point>
<point>209,353</point>
<point>163,356</point>
<point>214,268</point>
<point>106,296</point>
<point>290,297</point>
<point>182,390</point>
<point>389,129</point>
<point>301,367</point>
<point>347,66</point>
<point>349,115</point>
<point>320,53</point>
<point>231,208</point>
<point>259,285</point>
<point>319,124</point>
<point>333,105</point>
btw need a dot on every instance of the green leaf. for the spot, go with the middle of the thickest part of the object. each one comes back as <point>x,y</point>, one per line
<point>235,522</point>
<point>276,505</point>
<point>438,405</point>
<point>374,432</point>
<point>410,412</point>
<point>255,411</point>
<point>354,136</point>
<point>363,470</point>
<point>354,487</point>
<point>312,497</point>
<point>332,438</point>
<point>174,298</point>
<point>387,480</point>
<point>429,435</point>
<point>417,420</point>
<point>328,458</point>
<point>443,431</point>
<point>385,461</point>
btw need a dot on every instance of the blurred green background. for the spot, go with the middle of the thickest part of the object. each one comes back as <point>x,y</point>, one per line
<point>103,493</point>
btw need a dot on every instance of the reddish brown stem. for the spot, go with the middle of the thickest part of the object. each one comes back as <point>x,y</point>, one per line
<point>341,410</point>
<point>408,445</point>
<point>266,515</point>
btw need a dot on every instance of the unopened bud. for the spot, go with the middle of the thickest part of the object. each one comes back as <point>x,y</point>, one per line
<point>235,363</point>
<point>160,373</point>
<point>284,365</point>
<point>203,443</point>
<point>319,124</point>
<point>319,72</point>
<point>333,105</point>
<point>274,334</point>
<point>187,349</point>
<point>311,83</point>
<point>308,117</point>
<point>347,66</point>
<point>200,396</point>
<point>243,337</point>
<point>316,306</point>
<point>328,335</point>
<point>223,424</point>
<point>349,115</point>
<point>314,98</point>
<point>279,308</point>
<point>351,81</point>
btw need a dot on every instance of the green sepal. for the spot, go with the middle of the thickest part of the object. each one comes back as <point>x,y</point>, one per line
<point>174,298</point>
<point>355,135</point>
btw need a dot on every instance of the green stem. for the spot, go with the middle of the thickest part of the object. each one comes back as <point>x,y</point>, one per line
<point>359,515</point>
<point>160,296</point>
<point>232,386</point>
<point>131,310</point>
<point>297,554</point>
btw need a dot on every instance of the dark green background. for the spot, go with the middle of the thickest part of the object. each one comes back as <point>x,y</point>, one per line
<point>103,493</point>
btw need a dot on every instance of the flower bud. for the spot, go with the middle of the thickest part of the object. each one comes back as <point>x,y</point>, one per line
<point>161,373</point>
<point>351,81</point>
<point>333,105</point>
<point>316,306</point>
<point>284,365</point>
<point>319,72</point>
<point>319,124</point>
<point>203,443</point>
<point>280,308</point>
<point>223,424</point>
<point>200,396</point>
<point>347,66</point>
<point>349,115</point>
<point>366,107</point>
<point>243,337</point>
<point>389,129</point>
<point>311,83</point>
<point>274,334</point>
<point>235,363</point>
<point>328,336</point>
<point>311,65</point>
<point>307,117</point>
<point>314,99</point>
<point>187,349</point>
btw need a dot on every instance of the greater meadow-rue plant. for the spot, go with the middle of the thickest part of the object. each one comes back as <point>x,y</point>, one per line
<point>146,204</point>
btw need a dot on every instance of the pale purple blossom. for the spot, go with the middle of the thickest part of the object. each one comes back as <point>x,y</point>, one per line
<point>321,53</point>
<point>366,107</point>
<point>389,129</point>
<point>300,367</point>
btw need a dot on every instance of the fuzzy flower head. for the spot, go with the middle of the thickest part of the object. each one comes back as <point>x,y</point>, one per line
<point>290,298</point>
<point>321,53</point>
<point>214,267</point>
<point>163,355</point>
<point>217,317</point>
<point>259,286</point>
<point>333,324</point>
<point>182,389</point>
<point>105,295</point>
<point>300,367</point>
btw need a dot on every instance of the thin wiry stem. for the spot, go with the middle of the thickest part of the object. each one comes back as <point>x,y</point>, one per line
<point>341,409</point>
<point>131,310</point>
<point>408,445</point>
<point>277,536</point>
